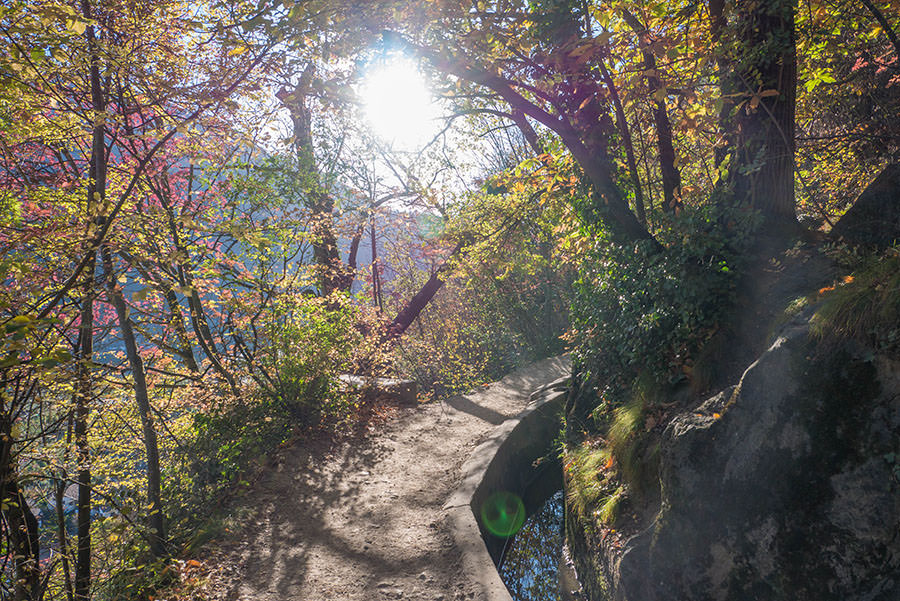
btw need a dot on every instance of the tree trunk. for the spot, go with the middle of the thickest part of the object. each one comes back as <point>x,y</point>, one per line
<point>760,127</point>
<point>333,275</point>
<point>376,280</point>
<point>61,534</point>
<point>156,519</point>
<point>22,529</point>
<point>627,142</point>
<point>21,525</point>
<point>582,124</point>
<point>408,314</point>
<point>354,253</point>
<point>184,343</point>
<point>83,396</point>
<point>608,205</point>
<point>63,538</point>
<point>202,331</point>
<point>183,348</point>
<point>96,195</point>
<point>195,306</point>
<point>671,176</point>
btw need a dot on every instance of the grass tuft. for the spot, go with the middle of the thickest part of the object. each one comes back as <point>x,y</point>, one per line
<point>864,306</point>
<point>588,471</point>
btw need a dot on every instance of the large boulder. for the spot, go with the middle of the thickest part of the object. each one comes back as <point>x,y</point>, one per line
<point>784,487</point>
<point>874,219</point>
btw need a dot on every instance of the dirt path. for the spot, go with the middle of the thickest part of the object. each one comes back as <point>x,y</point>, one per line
<point>363,521</point>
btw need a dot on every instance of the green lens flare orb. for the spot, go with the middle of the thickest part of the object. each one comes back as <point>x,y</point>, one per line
<point>503,513</point>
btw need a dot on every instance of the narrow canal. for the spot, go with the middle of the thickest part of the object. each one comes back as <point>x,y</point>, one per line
<point>535,565</point>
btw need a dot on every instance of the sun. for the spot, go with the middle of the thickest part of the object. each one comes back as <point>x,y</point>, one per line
<point>398,105</point>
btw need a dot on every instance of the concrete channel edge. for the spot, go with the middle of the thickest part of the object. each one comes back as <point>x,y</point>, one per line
<point>496,464</point>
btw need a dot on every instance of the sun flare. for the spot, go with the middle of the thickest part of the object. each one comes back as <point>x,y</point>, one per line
<point>398,105</point>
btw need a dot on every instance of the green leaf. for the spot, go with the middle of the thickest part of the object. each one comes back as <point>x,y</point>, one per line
<point>18,322</point>
<point>10,360</point>
<point>61,355</point>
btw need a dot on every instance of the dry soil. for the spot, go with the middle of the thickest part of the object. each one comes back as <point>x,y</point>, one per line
<point>362,520</point>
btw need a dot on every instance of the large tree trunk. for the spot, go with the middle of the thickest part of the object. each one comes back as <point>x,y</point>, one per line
<point>761,78</point>
<point>21,525</point>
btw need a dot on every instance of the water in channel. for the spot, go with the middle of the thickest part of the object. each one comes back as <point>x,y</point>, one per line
<point>535,557</point>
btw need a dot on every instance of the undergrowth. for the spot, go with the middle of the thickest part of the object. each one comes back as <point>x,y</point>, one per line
<point>641,319</point>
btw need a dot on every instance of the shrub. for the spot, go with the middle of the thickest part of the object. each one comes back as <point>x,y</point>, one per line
<point>308,343</point>
<point>641,315</point>
<point>305,344</point>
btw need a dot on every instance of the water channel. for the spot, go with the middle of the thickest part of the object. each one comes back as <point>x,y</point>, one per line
<point>514,490</point>
<point>535,564</point>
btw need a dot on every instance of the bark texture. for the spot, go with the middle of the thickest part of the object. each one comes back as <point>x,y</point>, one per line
<point>759,86</point>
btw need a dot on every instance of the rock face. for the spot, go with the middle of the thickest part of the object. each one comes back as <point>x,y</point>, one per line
<point>784,487</point>
<point>874,219</point>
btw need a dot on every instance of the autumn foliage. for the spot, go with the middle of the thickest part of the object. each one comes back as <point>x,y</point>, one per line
<point>199,233</point>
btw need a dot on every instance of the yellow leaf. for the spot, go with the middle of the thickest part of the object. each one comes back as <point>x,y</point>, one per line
<point>238,50</point>
<point>77,26</point>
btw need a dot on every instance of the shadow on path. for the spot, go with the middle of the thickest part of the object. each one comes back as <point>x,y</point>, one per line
<point>466,405</point>
<point>362,519</point>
